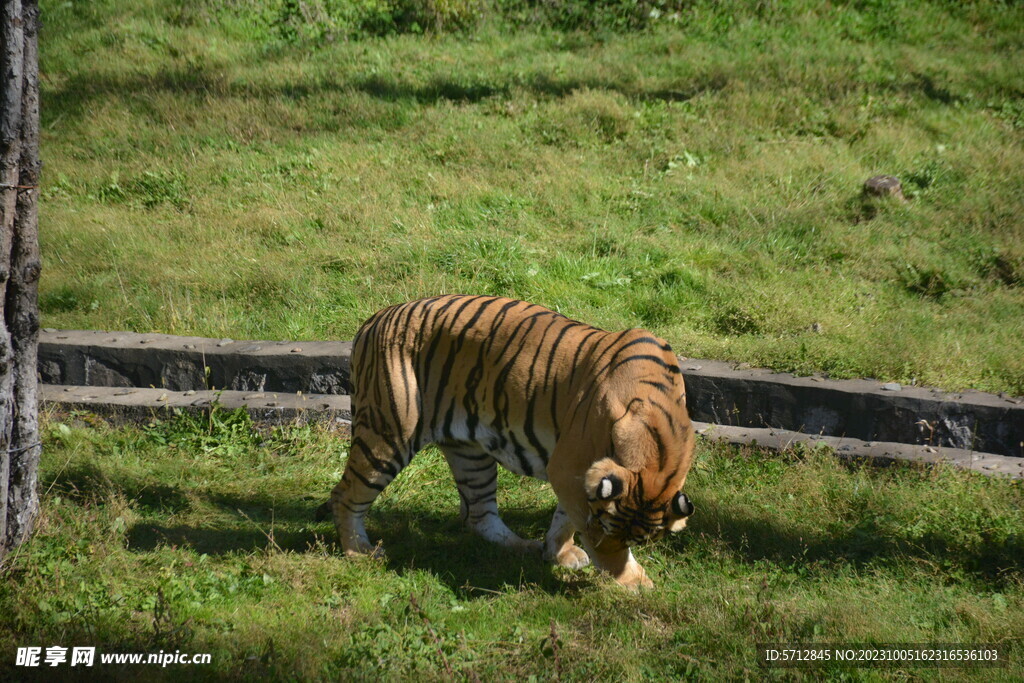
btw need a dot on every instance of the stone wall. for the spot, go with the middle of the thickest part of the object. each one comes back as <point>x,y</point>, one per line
<point>716,392</point>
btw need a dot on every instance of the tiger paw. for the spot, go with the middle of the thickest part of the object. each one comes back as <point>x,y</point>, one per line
<point>375,552</point>
<point>572,557</point>
<point>634,578</point>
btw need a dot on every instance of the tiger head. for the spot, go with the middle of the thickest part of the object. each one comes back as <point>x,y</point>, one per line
<point>635,492</point>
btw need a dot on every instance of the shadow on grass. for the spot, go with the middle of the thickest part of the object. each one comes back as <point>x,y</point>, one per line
<point>413,540</point>
<point>75,97</point>
<point>85,481</point>
<point>436,541</point>
<point>862,542</point>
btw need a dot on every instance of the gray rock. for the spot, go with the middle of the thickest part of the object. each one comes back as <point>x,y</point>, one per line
<point>99,374</point>
<point>884,186</point>
<point>249,380</point>
<point>327,383</point>
<point>51,372</point>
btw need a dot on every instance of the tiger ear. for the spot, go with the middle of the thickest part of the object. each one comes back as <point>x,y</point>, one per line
<point>605,481</point>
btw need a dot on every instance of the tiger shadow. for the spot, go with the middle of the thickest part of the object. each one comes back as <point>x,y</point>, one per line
<point>414,540</point>
<point>417,539</point>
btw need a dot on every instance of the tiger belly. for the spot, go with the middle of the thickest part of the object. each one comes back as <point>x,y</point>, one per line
<point>512,450</point>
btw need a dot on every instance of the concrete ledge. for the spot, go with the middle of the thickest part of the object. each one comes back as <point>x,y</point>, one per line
<point>875,452</point>
<point>717,392</point>
<point>127,359</point>
<point>132,405</point>
<point>121,404</point>
<point>861,409</point>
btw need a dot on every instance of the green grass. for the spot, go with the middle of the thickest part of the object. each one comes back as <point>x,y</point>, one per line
<point>198,535</point>
<point>212,169</point>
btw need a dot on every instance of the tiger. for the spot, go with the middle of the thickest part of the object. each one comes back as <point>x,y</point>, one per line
<point>490,380</point>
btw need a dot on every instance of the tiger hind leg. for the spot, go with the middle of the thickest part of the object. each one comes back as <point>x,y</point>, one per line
<point>559,547</point>
<point>372,463</point>
<point>476,477</point>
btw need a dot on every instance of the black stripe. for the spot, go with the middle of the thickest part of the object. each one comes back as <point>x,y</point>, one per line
<point>486,484</point>
<point>531,435</point>
<point>663,388</point>
<point>654,359</point>
<point>619,351</point>
<point>367,482</point>
<point>520,453</point>
<point>662,455</point>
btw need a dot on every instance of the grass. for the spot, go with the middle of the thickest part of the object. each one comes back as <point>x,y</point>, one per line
<point>198,535</point>
<point>214,170</point>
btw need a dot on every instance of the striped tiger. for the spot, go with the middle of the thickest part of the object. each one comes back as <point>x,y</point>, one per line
<point>601,415</point>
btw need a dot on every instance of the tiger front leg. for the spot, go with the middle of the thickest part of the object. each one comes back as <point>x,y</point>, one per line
<point>559,547</point>
<point>617,560</point>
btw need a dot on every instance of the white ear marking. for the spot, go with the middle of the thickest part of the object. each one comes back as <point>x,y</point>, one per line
<point>604,489</point>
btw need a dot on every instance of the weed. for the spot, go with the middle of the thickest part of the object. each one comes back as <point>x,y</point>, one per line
<point>929,281</point>
<point>148,190</point>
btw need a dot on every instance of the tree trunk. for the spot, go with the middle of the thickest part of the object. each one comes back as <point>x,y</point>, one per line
<point>19,270</point>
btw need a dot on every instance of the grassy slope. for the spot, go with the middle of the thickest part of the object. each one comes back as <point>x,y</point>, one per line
<point>700,179</point>
<point>199,537</point>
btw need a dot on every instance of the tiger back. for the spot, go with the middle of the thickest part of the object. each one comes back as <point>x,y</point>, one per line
<point>491,381</point>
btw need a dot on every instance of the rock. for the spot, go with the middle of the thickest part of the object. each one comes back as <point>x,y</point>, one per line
<point>51,372</point>
<point>327,383</point>
<point>884,186</point>
<point>249,380</point>
<point>181,374</point>
<point>891,386</point>
<point>100,374</point>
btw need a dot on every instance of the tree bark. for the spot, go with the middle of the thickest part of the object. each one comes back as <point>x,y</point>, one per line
<point>19,270</point>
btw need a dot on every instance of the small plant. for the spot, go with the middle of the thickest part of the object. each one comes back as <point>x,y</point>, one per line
<point>734,320</point>
<point>147,190</point>
<point>215,432</point>
<point>1002,266</point>
<point>927,281</point>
